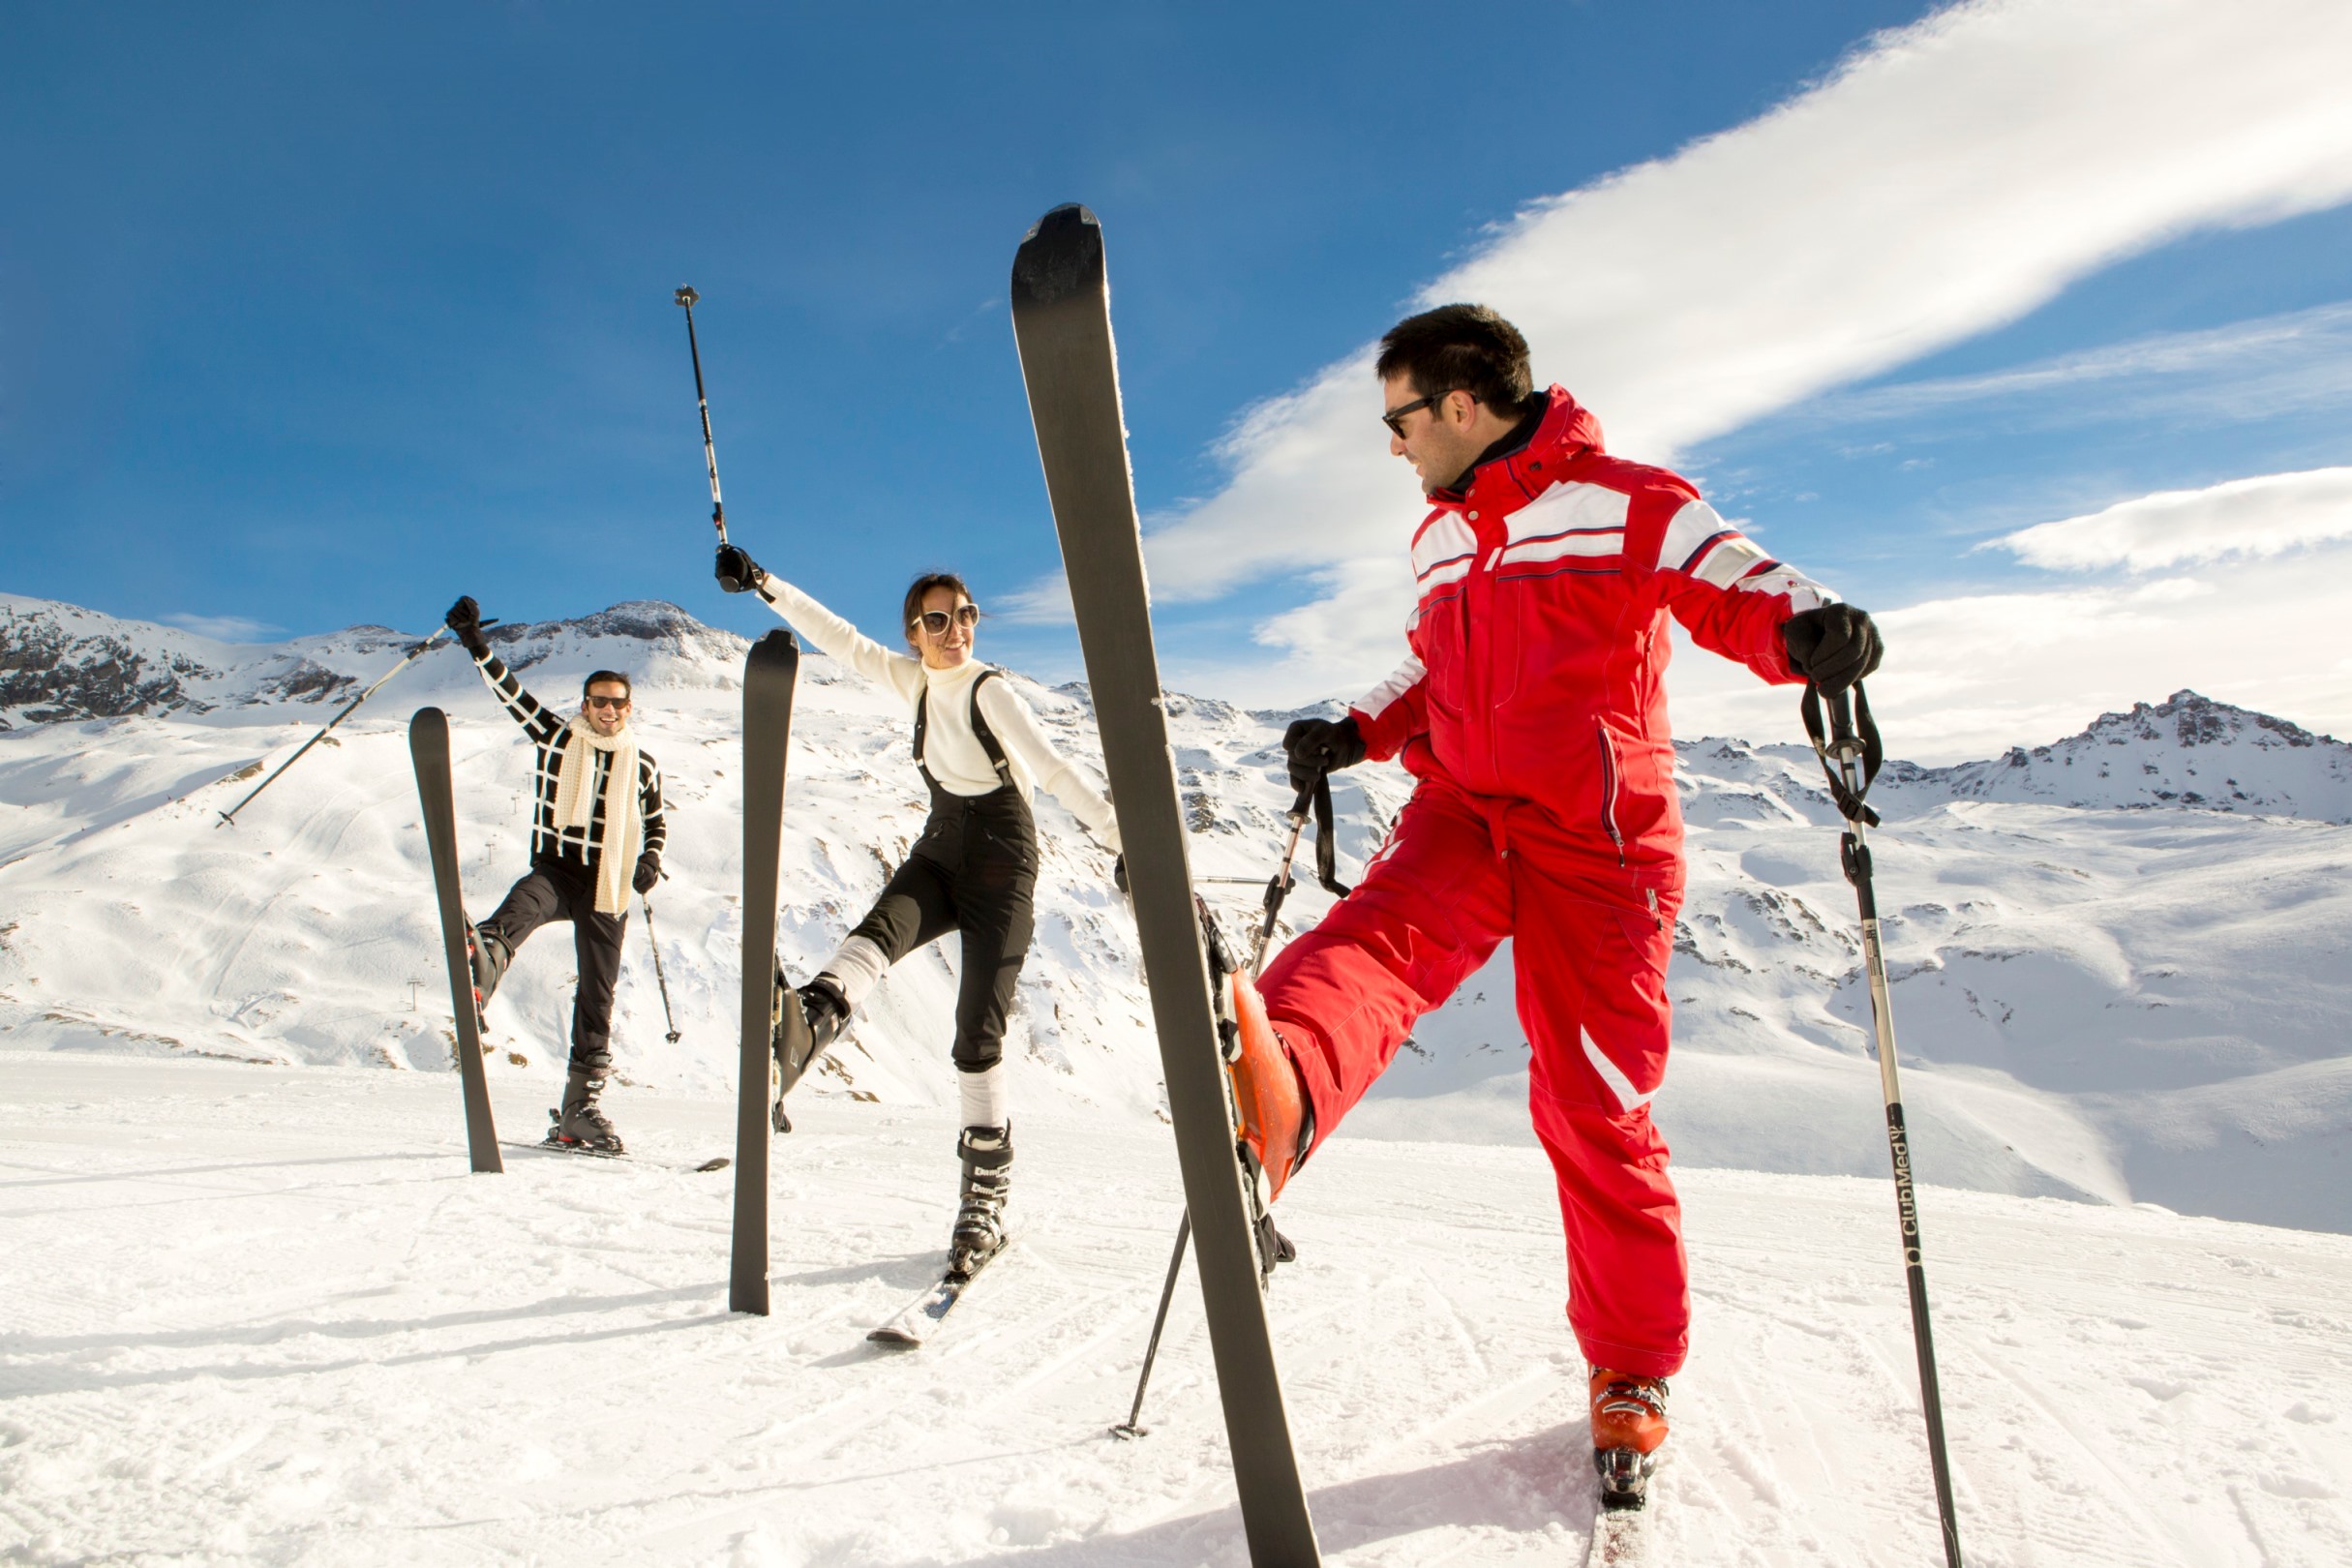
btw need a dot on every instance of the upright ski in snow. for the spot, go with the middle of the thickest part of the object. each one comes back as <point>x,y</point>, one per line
<point>429,751</point>
<point>769,673</point>
<point>1061,316</point>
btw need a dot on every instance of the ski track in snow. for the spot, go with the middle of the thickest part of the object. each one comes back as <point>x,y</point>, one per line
<point>264,1314</point>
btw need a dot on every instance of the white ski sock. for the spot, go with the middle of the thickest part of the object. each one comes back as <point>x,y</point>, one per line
<point>855,967</point>
<point>983,1095</point>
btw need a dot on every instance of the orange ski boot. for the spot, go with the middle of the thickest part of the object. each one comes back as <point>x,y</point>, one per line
<point>1628,1426</point>
<point>1276,1122</point>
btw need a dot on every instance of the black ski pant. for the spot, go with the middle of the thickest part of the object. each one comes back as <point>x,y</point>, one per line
<point>565,890</point>
<point>973,871</point>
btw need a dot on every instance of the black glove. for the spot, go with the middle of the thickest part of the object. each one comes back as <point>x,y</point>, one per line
<point>738,572</point>
<point>465,618</point>
<point>1321,746</point>
<point>1833,646</point>
<point>1118,876</point>
<point>649,872</point>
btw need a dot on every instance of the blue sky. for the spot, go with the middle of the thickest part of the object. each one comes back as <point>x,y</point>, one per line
<point>314,315</point>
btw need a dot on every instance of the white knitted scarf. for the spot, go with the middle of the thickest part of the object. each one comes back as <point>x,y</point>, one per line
<point>624,822</point>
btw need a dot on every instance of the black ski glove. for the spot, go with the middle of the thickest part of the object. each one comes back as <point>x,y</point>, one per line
<point>1833,646</point>
<point>738,572</point>
<point>649,872</point>
<point>1321,746</point>
<point>465,618</point>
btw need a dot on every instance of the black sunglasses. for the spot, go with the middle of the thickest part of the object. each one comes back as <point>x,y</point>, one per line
<point>937,621</point>
<point>1394,418</point>
<point>604,702</point>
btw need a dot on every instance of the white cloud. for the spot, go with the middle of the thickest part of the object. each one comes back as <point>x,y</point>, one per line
<point>2268,515</point>
<point>2262,369</point>
<point>223,628</point>
<point>1969,677</point>
<point>1949,177</point>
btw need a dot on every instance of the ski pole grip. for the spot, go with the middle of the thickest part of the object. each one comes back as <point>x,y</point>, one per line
<point>1300,807</point>
<point>1841,716</point>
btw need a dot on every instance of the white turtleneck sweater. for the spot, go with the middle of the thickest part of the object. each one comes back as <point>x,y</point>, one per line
<point>949,748</point>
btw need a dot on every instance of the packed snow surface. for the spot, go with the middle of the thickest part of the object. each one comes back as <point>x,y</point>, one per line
<point>2121,963</point>
<point>257,1310</point>
<point>264,1314</point>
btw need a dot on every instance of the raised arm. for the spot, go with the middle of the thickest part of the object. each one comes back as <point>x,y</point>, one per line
<point>465,618</point>
<point>902,673</point>
<point>1015,727</point>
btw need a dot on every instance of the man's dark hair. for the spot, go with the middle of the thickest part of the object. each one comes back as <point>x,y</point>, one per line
<point>1460,347</point>
<point>614,676</point>
<point>924,584</point>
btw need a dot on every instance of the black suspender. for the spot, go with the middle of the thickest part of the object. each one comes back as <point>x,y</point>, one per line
<point>979,728</point>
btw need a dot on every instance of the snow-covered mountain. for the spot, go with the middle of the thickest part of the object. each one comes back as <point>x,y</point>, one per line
<point>2120,969</point>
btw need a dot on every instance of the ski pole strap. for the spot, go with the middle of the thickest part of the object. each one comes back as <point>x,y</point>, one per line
<point>1326,845</point>
<point>1850,728</point>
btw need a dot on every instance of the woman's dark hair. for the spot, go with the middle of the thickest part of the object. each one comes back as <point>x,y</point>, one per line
<point>1466,347</point>
<point>614,676</point>
<point>922,585</point>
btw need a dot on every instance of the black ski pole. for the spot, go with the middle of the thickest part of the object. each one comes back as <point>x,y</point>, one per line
<point>229,817</point>
<point>687,299</point>
<point>1128,1428</point>
<point>1851,758</point>
<point>1314,796</point>
<point>659,978</point>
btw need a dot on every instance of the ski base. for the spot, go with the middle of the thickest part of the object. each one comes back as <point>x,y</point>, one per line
<point>920,1320</point>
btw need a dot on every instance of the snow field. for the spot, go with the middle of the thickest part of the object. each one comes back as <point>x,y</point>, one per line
<point>262,1315</point>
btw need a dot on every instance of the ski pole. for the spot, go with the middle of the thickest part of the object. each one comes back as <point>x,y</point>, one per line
<point>1128,1429</point>
<point>1850,759</point>
<point>1314,796</point>
<point>687,299</point>
<point>659,978</point>
<point>229,817</point>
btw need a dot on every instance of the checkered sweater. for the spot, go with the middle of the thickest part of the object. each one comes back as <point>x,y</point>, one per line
<point>553,736</point>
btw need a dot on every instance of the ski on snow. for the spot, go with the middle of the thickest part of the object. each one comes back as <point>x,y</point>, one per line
<point>569,1152</point>
<point>922,1317</point>
<point>1061,316</point>
<point>769,673</point>
<point>429,751</point>
<point>1620,1539</point>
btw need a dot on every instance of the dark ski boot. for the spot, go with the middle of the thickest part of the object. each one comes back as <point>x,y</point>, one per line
<point>979,1219</point>
<point>487,951</point>
<point>578,1125</point>
<point>803,1024</point>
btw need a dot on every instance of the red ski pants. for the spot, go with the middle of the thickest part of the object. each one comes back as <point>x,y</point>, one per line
<point>1590,941</point>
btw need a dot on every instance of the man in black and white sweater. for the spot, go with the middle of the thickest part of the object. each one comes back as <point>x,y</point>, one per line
<point>590,844</point>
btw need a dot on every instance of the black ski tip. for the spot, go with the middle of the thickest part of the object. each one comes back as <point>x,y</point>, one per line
<point>1061,256</point>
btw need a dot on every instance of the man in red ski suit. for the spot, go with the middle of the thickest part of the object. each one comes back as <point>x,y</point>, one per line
<point>1532,711</point>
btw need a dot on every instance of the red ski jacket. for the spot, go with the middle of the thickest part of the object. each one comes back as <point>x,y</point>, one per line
<point>1539,639</point>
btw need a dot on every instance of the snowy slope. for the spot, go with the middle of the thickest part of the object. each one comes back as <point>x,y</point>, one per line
<point>2105,990</point>
<point>264,1316</point>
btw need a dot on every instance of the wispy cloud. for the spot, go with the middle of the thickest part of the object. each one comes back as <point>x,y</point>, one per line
<point>2268,515</point>
<point>2262,369</point>
<point>222,629</point>
<point>1972,676</point>
<point>1947,178</point>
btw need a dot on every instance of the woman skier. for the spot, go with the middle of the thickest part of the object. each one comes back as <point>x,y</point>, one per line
<point>973,870</point>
